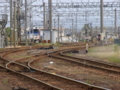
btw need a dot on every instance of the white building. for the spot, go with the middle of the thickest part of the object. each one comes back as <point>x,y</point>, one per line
<point>46,35</point>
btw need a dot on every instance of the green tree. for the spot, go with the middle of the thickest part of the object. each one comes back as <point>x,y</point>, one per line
<point>8,31</point>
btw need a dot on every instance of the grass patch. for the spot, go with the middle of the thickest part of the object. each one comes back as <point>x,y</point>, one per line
<point>111,53</point>
<point>69,54</point>
<point>114,59</point>
<point>5,81</point>
<point>37,64</point>
<point>90,49</point>
<point>1,49</point>
<point>89,82</point>
<point>17,57</point>
<point>46,44</point>
<point>57,44</point>
<point>42,44</point>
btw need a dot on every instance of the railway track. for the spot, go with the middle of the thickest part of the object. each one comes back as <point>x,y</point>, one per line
<point>89,63</point>
<point>39,84</point>
<point>77,84</point>
<point>17,68</point>
<point>56,82</point>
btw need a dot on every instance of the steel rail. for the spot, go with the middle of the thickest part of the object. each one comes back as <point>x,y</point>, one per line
<point>50,87</point>
<point>103,65</point>
<point>92,87</point>
<point>47,86</point>
<point>13,62</point>
<point>84,84</point>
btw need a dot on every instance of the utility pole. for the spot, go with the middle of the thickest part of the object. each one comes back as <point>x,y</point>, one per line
<point>26,41</point>
<point>14,23</point>
<point>76,22</point>
<point>61,33</point>
<point>71,33</point>
<point>1,40</point>
<point>91,30</point>
<point>44,16</point>
<point>50,19</point>
<point>58,29</point>
<point>31,27</point>
<point>54,23</point>
<point>101,20</point>
<point>11,24</point>
<point>86,30</point>
<point>18,21</point>
<point>72,30</point>
<point>44,21</point>
<point>115,23</point>
<point>76,26</point>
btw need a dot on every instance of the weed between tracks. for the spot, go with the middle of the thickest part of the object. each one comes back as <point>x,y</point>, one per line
<point>5,81</point>
<point>111,53</point>
<point>1,49</point>
<point>46,44</point>
<point>17,57</point>
<point>89,82</point>
<point>69,54</point>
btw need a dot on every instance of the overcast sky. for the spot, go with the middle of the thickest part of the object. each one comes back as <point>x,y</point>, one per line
<point>90,19</point>
<point>78,0</point>
<point>81,20</point>
<point>58,1</point>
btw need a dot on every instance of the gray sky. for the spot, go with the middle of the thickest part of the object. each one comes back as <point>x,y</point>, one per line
<point>81,20</point>
<point>78,0</point>
<point>54,1</point>
<point>91,19</point>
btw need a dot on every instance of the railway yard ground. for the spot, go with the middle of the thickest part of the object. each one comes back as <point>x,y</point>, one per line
<point>64,67</point>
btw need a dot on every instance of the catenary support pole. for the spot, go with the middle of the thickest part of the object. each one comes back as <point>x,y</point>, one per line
<point>72,30</point>
<point>18,22</point>
<point>26,39</point>
<point>44,13</point>
<point>61,33</point>
<point>101,20</point>
<point>76,27</point>
<point>0,41</point>
<point>11,24</point>
<point>14,23</point>
<point>115,24</point>
<point>58,29</point>
<point>50,19</point>
<point>91,30</point>
<point>54,23</point>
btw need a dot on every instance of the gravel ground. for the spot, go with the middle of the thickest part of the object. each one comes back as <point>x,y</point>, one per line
<point>64,68</point>
<point>71,70</point>
<point>12,80</point>
<point>8,80</point>
<point>23,54</point>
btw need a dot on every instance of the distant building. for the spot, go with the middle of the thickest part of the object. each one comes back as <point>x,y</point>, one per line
<point>46,35</point>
